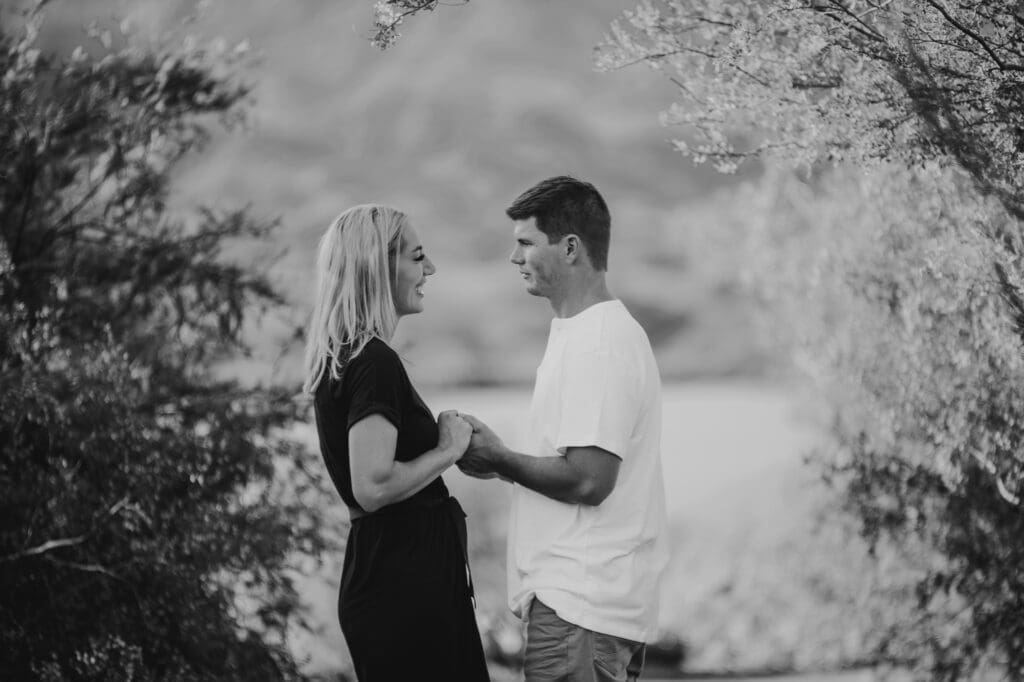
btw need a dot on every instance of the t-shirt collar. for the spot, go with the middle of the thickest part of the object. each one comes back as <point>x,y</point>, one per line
<point>559,323</point>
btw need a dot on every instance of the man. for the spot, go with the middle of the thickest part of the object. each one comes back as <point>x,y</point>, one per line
<point>586,544</point>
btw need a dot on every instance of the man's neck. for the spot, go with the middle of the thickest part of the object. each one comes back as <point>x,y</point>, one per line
<point>581,295</point>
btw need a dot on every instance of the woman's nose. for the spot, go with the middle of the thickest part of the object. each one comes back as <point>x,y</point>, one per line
<point>429,268</point>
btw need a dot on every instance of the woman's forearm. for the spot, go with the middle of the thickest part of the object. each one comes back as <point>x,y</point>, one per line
<point>402,480</point>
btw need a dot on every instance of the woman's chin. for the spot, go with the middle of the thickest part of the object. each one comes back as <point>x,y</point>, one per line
<point>411,309</point>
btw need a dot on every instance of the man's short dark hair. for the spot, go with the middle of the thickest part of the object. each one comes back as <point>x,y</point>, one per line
<point>564,205</point>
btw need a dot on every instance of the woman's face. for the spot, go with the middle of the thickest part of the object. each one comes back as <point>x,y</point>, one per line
<point>411,272</point>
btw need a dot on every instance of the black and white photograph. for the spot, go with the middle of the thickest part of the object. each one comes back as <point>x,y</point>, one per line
<point>512,340</point>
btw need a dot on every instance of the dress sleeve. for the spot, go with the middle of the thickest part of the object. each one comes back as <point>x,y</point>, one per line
<point>375,381</point>
<point>599,403</point>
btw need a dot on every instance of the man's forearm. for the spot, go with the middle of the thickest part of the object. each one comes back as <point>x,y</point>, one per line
<point>554,477</point>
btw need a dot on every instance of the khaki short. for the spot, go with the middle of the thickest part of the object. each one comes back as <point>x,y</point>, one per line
<point>560,651</point>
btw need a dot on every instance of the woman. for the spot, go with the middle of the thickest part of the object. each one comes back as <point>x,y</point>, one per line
<point>405,604</point>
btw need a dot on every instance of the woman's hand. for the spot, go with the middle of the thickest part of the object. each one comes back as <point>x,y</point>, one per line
<point>454,433</point>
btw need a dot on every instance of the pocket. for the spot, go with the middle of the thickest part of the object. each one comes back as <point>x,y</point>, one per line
<point>613,654</point>
<point>549,644</point>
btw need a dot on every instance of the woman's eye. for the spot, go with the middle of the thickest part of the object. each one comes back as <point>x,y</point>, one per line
<point>419,258</point>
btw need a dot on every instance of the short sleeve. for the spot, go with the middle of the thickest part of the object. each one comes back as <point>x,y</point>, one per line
<point>599,402</point>
<point>374,381</point>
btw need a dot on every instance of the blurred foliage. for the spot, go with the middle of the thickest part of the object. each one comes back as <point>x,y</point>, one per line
<point>787,588</point>
<point>388,15</point>
<point>151,515</point>
<point>900,283</point>
<point>893,291</point>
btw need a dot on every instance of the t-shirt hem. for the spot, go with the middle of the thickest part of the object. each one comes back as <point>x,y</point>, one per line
<point>578,615</point>
<point>369,409</point>
<point>617,449</point>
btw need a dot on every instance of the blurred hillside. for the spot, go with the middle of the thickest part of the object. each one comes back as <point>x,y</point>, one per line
<point>475,104</point>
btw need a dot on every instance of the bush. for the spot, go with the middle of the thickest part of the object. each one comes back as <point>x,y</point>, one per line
<point>891,287</point>
<point>149,511</point>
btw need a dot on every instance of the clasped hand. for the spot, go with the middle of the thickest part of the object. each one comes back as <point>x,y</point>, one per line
<point>480,457</point>
<point>453,432</point>
<point>478,446</point>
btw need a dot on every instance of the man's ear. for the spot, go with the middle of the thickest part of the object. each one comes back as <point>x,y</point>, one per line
<point>572,246</point>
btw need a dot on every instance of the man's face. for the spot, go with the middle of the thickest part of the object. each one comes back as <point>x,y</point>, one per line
<point>539,262</point>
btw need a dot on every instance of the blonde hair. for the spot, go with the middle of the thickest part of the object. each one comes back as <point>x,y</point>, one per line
<point>353,302</point>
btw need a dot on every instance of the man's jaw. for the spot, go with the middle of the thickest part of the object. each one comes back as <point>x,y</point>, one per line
<point>531,283</point>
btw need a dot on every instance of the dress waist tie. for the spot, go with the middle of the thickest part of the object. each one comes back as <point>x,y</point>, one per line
<point>453,510</point>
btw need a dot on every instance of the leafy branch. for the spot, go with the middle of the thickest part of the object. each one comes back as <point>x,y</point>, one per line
<point>389,15</point>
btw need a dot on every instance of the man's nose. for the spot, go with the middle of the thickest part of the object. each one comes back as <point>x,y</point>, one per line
<point>516,257</point>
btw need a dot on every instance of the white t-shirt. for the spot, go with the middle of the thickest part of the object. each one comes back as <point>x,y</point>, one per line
<point>597,567</point>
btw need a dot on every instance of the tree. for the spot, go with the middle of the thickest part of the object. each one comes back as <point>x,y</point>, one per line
<point>900,284</point>
<point>855,80</point>
<point>151,510</point>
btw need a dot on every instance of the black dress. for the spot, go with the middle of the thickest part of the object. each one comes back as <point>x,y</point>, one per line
<point>406,602</point>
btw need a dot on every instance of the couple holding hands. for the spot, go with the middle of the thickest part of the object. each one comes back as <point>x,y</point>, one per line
<point>586,544</point>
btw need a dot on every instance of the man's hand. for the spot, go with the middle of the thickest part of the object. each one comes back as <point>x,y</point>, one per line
<point>483,451</point>
<point>483,437</point>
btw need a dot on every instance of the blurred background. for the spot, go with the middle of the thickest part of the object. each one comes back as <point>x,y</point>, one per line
<point>472,106</point>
